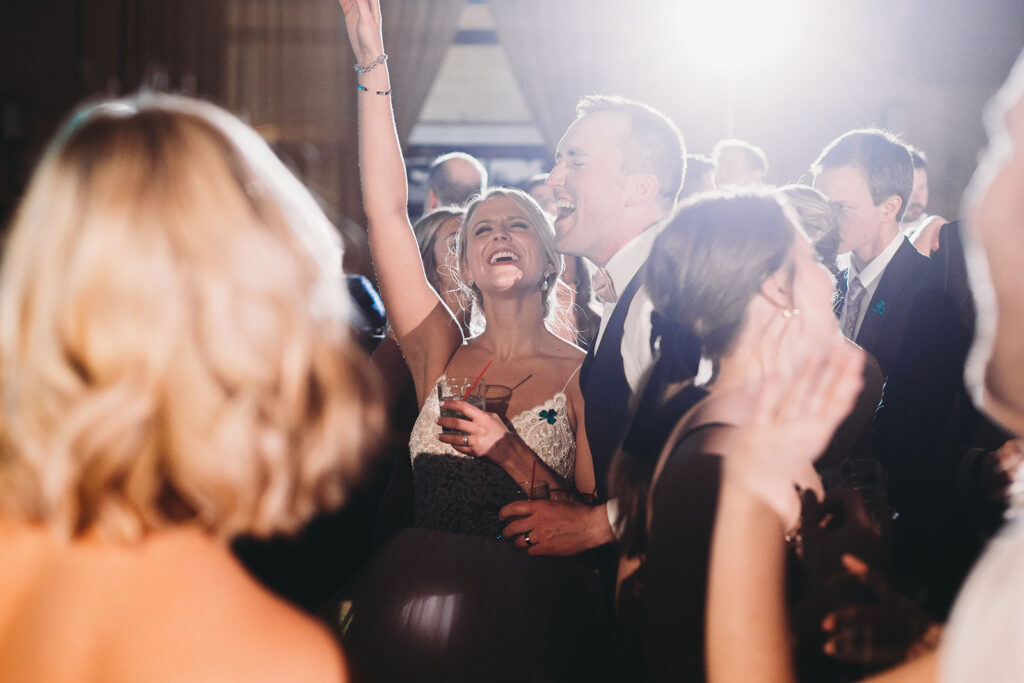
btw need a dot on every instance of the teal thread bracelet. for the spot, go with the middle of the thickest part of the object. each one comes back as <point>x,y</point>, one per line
<point>379,92</point>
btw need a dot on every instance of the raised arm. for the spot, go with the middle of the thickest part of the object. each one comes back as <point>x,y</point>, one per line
<point>412,305</point>
<point>790,427</point>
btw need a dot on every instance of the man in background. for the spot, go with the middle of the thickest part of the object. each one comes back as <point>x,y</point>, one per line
<point>700,175</point>
<point>452,179</point>
<point>892,305</point>
<point>920,227</point>
<point>739,164</point>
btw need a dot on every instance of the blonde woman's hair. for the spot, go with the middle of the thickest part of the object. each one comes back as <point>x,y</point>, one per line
<point>174,341</point>
<point>817,219</point>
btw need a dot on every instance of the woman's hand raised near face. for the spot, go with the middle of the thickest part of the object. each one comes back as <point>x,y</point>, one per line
<point>363,23</point>
<point>792,423</point>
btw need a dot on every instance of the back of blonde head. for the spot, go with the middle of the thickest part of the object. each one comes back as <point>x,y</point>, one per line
<point>173,333</point>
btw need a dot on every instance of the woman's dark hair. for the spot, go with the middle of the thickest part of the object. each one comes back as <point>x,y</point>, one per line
<point>705,267</point>
<point>426,230</point>
<point>712,258</point>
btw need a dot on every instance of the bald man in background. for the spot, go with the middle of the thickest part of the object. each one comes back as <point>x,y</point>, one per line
<point>452,179</point>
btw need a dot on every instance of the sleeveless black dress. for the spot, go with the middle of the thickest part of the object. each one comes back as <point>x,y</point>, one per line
<point>675,573</point>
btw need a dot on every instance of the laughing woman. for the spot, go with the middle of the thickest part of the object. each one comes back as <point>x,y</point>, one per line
<point>450,598</point>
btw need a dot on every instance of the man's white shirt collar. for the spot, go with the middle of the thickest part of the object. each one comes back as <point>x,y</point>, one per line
<point>627,261</point>
<point>874,269</point>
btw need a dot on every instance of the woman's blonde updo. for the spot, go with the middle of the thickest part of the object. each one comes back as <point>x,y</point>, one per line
<point>174,342</point>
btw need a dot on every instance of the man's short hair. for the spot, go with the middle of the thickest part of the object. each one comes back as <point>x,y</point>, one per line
<point>918,156</point>
<point>448,190</point>
<point>753,156</point>
<point>652,145</point>
<point>884,161</point>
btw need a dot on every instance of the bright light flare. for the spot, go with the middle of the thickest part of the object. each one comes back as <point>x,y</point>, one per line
<point>737,36</point>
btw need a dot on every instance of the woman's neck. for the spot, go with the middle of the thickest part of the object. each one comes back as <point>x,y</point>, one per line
<point>737,372</point>
<point>742,368</point>
<point>515,326</point>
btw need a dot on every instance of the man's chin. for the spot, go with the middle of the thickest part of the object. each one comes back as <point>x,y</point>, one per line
<point>563,235</point>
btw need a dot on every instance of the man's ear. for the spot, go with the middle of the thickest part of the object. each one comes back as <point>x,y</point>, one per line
<point>642,188</point>
<point>432,202</point>
<point>891,207</point>
<point>777,289</point>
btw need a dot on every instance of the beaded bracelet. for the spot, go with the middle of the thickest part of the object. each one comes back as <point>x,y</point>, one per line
<point>379,92</point>
<point>369,67</point>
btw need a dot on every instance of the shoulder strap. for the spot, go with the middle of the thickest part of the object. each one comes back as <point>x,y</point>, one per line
<point>573,374</point>
<point>707,441</point>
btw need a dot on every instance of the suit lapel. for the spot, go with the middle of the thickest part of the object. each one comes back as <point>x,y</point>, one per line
<point>588,360</point>
<point>894,281</point>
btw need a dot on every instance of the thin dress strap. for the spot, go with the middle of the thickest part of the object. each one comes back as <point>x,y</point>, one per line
<point>566,385</point>
<point>681,433</point>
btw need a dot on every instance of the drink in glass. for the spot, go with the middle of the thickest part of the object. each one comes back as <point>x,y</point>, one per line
<point>457,389</point>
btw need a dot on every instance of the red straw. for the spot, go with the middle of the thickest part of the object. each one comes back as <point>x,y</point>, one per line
<point>477,380</point>
<point>533,477</point>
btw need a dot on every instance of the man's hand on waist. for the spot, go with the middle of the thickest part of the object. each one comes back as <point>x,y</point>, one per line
<point>545,527</point>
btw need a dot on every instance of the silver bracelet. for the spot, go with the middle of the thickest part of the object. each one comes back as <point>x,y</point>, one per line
<point>369,67</point>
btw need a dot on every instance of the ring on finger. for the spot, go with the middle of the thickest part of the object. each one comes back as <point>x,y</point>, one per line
<point>465,439</point>
<point>526,537</point>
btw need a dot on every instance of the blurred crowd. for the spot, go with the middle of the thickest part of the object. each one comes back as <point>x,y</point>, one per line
<point>647,416</point>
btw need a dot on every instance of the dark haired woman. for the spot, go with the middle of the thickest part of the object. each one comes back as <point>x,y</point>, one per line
<point>737,271</point>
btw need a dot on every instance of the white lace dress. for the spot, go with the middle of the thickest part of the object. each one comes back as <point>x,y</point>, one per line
<point>463,493</point>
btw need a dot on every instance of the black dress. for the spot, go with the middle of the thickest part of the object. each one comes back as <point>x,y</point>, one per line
<point>675,572</point>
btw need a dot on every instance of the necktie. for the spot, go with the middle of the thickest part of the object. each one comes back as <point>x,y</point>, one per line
<point>602,285</point>
<point>854,298</point>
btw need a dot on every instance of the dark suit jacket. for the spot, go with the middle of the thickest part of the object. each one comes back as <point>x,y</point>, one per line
<point>889,310</point>
<point>913,328</point>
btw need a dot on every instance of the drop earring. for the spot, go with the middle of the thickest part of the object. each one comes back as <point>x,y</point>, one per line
<point>544,283</point>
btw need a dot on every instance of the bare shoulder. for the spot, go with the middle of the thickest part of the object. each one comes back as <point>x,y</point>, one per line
<point>560,349</point>
<point>174,606</point>
<point>297,648</point>
<point>289,643</point>
<point>266,640</point>
<point>217,623</point>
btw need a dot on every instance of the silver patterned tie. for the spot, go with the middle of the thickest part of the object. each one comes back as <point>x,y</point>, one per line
<point>854,298</point>
<point>602,285</point>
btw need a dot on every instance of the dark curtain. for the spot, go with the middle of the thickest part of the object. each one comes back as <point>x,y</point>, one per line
<point>417,35</point>
<point>290,73</point>
<point>289,70</point>
<point>169,44</point>
<point>562,50</point>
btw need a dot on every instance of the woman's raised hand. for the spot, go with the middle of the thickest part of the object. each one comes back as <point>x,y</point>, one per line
<point>363,23</point>
<point>793,421</point>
